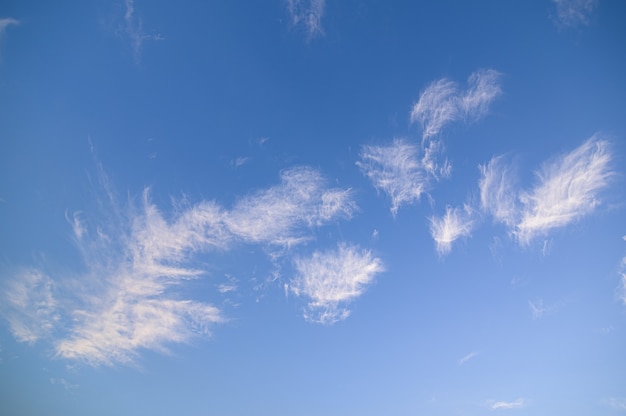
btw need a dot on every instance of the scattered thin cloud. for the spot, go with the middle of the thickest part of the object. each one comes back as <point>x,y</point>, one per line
<point>133,30</point>
<point>572,13</point>
<point>405,171</point>
<point>231,286</point>
<point>239,161</point>
<point>467,357</point>
<point>616,403</point>
<point>331,280</point>
<point>69,387</point>
<point>537,308</point>
<point>567,189</point>
<point>504,405</point>
<point>456,223</point>
<point>29,305</point>
<point>395,170</point>
<point>308,15</point>
<point>442,102</point>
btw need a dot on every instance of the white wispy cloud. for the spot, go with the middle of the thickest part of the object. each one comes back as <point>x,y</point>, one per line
<point>333,279</point>
<point>622,284</point>
<point>567,189</point>
<point>69,387</point>
<point>5,22</point>
<point>537,308</point>
<point>498,195</point>
<point>231,286</point>
<point>616,403</point>
<point>133,29</point>
<point>129,296</point>
<point>456,223</point>
<point>127,300</point>
<point>437,106</point>
<point>467,357</point>
<point>442,102</point>
<point>504,405</point>
<point>308,14</point>
<point>29,305</point>
<point>279,214</point>
<point>571,13</point>
<point>239,161</point>
<point>396,170</point>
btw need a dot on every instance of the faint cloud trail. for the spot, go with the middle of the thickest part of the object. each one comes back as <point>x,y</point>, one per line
<point>307,13</point>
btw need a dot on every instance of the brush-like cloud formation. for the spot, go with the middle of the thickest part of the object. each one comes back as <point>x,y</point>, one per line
<point>405,171</point>
<point>502,405</point>
<point>396,170</point>
<point>333,279</point>
<point>497,191</point>
<point>442,102</point>
<point>133,29</point>
<point>456,223</point>
<point>127,299</point>
<point>136,262</point>
<point>279,214</point>
<point>307,13</point>
<point>567,189</point>
<point>571,13</point>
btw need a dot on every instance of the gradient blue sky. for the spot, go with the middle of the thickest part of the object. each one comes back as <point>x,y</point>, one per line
<point>310,207</point>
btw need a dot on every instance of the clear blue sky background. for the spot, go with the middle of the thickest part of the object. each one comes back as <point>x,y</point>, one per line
<point>311,207</point>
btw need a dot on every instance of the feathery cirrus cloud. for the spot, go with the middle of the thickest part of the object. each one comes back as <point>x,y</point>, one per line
<point>454,224</point>
<point>129,297</point>
<point>332,279</point>
<point>405,171</point>
<point>566,189</point>
<point>443,102</point>
<point>396,170</point>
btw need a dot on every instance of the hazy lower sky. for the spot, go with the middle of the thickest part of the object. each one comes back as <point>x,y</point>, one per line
<point>312,207</point>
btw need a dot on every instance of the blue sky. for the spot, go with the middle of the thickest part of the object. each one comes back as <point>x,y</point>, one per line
<point>312,207</point>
